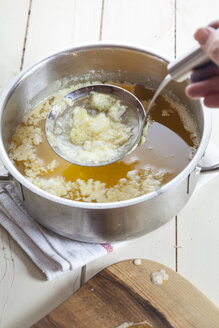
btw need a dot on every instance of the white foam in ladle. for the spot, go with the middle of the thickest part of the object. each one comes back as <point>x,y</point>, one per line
<point>133,118</point>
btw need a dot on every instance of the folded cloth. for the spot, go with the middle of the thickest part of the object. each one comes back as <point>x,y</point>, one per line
<point>54,254</point>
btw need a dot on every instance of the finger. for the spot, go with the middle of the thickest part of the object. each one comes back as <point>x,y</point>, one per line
<point>211,47</point>
<point>214,24</point>
<point>203,88</point>
<point>209,40</point>
<point>204,72</point>
<point>212,101</point>
<point>202,34</point>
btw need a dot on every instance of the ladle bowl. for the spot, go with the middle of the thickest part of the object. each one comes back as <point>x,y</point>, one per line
<point>134,117</point>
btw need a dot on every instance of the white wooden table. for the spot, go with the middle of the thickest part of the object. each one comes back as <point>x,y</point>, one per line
<point>189,244</point>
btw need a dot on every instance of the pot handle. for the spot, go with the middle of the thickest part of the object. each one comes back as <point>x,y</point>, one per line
<point>208,169</point>
<point>5,179</point>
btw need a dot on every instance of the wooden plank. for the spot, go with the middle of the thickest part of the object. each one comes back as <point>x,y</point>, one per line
<point>13,20</point>
<point>124,293</point>
<point>56,24</point>
<point>143,22</point>
<point>198,223</point>
<point>198,240</point>
<point>25,295</point>
<point>189,16</point>
<point>137,22</point>
<point>7,272</point>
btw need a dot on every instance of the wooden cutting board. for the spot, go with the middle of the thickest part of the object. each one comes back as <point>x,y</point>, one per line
<point>124,292</point>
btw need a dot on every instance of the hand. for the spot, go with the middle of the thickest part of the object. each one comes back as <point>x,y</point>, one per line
<point>205,80</point>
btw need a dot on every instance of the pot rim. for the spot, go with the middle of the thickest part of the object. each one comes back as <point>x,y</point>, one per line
<point>110,205</point>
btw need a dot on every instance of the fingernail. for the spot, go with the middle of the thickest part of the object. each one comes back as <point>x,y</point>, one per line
<point>202,34</point>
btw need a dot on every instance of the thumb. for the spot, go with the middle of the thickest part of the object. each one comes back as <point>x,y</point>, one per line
<point>209,40</point>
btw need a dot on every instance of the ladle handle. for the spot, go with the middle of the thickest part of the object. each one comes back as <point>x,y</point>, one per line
<point>179,68</point>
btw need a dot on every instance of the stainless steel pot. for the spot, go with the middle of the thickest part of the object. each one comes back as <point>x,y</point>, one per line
<point>102,222</point>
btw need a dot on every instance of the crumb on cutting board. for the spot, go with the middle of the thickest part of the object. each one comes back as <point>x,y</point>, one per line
<point>137,261</point>
<point>159,277</point>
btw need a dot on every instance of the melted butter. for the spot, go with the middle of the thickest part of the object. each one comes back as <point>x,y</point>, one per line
<point>168,146</point>
<point>47,154</point>
<point>172,122</point>
<point>109,174</point>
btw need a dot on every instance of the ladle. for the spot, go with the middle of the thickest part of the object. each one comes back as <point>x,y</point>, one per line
<point>135,115</point>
